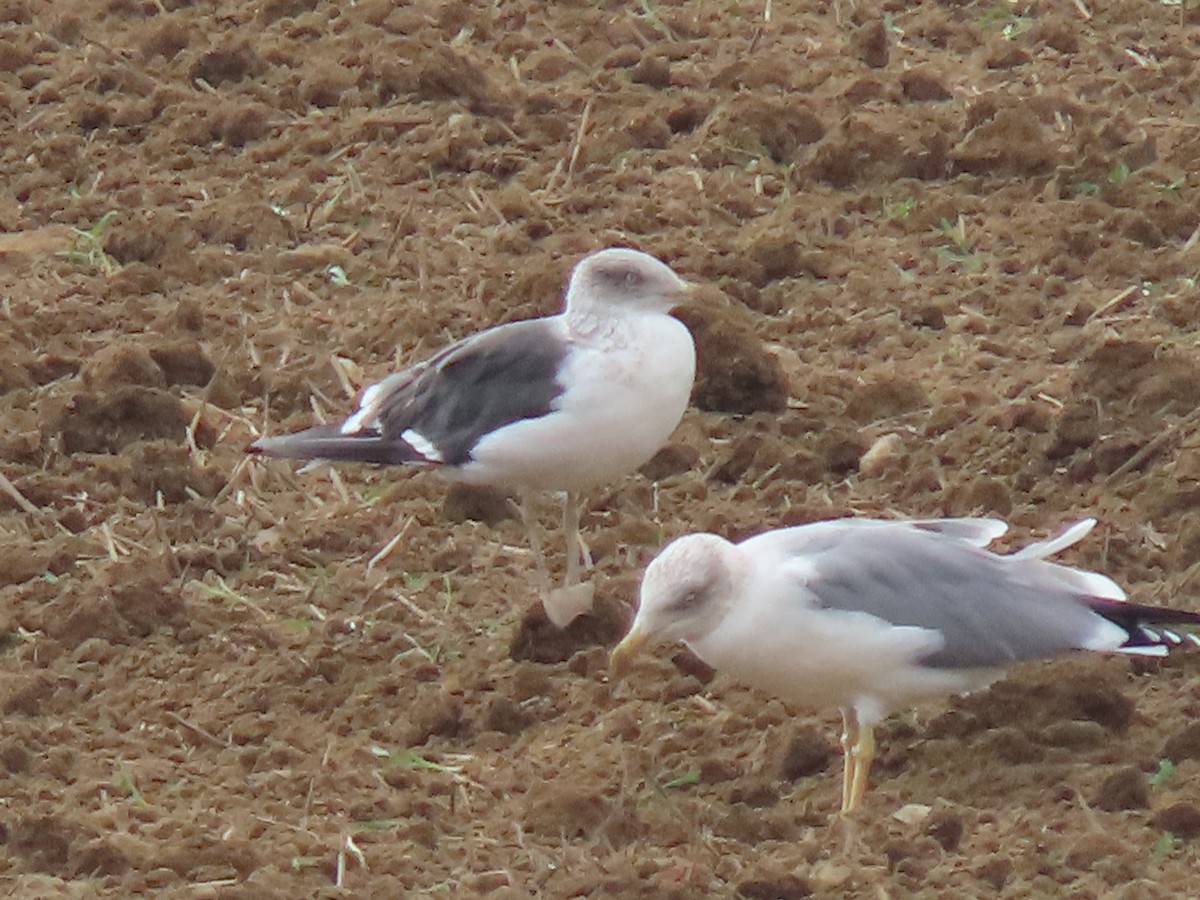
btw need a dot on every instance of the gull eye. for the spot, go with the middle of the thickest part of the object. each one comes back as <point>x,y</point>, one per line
<point>687,601</point>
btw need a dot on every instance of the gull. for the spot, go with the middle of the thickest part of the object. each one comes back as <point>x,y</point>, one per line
<point>563,403</point>
<point>873,616</point>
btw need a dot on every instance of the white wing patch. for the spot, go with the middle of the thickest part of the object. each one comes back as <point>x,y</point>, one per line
<point>359,422</point>
<point>422,445</point>
<point>367,416</point>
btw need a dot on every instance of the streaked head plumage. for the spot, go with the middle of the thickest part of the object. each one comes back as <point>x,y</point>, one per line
<point>619,276</point>
<point>687,589</point>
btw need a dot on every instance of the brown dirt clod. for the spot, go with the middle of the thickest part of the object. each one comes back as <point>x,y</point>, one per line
<point>1180,819</point>
<point>807,754</point>
<point>1127,788</point>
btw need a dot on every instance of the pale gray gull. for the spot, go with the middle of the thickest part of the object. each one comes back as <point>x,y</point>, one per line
<point>565,403</point>
<point>873,616</point>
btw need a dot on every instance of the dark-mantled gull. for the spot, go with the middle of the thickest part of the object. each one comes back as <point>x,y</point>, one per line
<point>562,403</point>
<point>873,616</point>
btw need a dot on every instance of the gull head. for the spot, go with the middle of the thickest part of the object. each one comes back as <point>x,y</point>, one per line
<point>686,592</point>
<point>622,278</point>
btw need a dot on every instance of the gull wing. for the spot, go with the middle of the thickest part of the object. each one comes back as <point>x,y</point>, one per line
<point>436,411</point>
<point>989,609</point>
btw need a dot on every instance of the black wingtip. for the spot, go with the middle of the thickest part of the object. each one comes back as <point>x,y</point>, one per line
<point>326,442</point>
<point>1145,625</point>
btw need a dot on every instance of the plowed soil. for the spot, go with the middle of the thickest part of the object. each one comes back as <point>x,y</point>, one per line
<point>950,252</point>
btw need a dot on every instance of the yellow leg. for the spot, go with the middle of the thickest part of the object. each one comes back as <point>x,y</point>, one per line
<point>863,753</point>
<point>849,740</point>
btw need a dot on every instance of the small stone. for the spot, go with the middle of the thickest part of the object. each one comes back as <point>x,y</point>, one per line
<point>909,857</point>
<point>1184,744</point>
<point>790,888</point>
<point>572,812</point>
<point>14,758</point>
<point>653,71</point>
<point>477,503</point>
<point>679,687</point>
<point>532,681</point>
<point>183,362</point>
<point>506,717</point>
<point>756,795</point>
<point>807,754</point>
<point>923,87</point>
<point>995,871</point>
<point>1091,849</point>
<point>122,363</point>
<point>1181,819</point>
<point>673,459</point>
<point>947,829</point>
<point>885,398</point>
<point>1077,427</point>
<point>1007,57</point>
<point>739,461</point>
<point>488,882</point>
<point>842,452</point>
<point>690,664</point>
<point>715,771</point>
<point>886,450</point>
<point>912,813</point>
<point>929,316</point>
<point>870,44</point>
<point>1013,746</point>
<point>1124,789</point>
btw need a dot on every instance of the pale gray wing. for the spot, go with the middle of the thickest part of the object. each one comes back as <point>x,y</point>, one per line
<point>809,538</point>
<point>436,411</point>
<point>989,609</point>
<point>977,531</point>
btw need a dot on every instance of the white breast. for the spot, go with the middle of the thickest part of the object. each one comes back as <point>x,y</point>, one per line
<point>627,384</point>
<point>777,640</point>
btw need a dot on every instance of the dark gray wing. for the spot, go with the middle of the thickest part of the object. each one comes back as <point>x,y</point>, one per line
<point>989,609</point>
<point>436,411</point>
<point>477,386</point>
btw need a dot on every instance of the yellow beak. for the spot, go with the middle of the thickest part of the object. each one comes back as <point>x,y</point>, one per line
<point>685,296</point>
<point>620,660</point>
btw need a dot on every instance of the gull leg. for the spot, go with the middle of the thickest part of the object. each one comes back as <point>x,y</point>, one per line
<point>535,539</point>
<point>571,514</point>
<point>585,552</point>
<point>864,754</point>
<point>850,733</point>
<point>564,604</point>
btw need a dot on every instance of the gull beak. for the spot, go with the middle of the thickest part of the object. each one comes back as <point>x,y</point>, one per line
<point>686,295</point>
<point>620,660</point>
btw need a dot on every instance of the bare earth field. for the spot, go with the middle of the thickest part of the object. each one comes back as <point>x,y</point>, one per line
<point>962,236</point>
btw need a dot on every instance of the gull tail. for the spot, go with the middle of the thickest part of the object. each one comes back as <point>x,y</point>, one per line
<point>327,442</point>
<point>1145,626</point>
